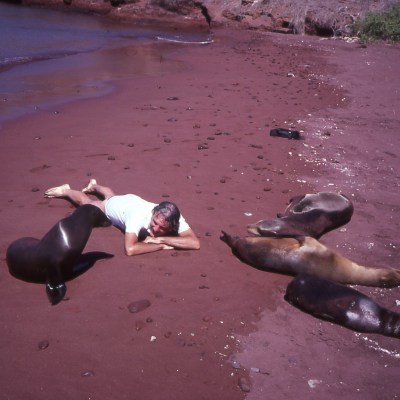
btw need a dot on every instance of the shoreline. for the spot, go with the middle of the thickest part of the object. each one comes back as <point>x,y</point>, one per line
<point>38,71</point>
<point>200,137</point>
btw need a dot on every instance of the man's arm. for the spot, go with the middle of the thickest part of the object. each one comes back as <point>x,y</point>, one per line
<point>133,247</point>
<point>186,240</point>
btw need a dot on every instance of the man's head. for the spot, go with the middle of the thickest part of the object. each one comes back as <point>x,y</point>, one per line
<point>165,219</point>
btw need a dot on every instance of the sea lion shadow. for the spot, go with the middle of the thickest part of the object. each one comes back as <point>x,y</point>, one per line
<point>82,265</point>
<point>85,262</point>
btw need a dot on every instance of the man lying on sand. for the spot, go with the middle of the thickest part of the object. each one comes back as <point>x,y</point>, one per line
<point>148,227</point>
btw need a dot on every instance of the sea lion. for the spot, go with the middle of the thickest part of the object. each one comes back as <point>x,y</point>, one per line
<point>307,215</point>
<point>57,257</point>
<point>293,256</point>
<point>341,305</point>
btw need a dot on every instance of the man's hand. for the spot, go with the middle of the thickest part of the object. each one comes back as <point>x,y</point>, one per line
<point>157,240</point>
<point>152,239</point>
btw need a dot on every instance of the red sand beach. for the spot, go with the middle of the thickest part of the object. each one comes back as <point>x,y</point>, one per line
<point>216,328</point>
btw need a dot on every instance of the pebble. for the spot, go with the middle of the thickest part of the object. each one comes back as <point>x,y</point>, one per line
<point>137,306</point>
<point>236,364</point>
<point>244,385</point>
<point>139,325</point>
<point>44,344</point>
<point>87,373</point>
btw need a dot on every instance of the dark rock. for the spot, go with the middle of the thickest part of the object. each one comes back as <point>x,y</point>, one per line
<point>44,344</point>
<point>244,385</point>
<point>87,373</point>
<point>285,133</point>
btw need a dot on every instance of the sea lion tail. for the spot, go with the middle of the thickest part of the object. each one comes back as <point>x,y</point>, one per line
<point>370,276</point>
<point>389,277</point>
<point>381,277</point>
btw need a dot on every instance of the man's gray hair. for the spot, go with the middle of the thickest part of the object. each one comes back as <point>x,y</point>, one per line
<point>170,212</point>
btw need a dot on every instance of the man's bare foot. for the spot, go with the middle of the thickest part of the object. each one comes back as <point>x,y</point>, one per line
<point>89,188</point>
<point>58,191</point>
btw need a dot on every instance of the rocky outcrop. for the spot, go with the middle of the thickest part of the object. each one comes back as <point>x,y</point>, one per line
<point>317,17</point>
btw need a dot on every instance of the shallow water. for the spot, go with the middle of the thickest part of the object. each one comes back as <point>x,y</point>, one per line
<point>49,57</point>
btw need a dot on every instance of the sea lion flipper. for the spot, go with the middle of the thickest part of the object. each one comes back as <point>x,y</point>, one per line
<point>56,293</point>
<point>227,238</point>
<point>55,285</point>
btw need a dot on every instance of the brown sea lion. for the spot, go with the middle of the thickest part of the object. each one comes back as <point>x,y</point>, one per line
<point>57,257</point>
<point>307,215</point>
<point>341,305</point>
<point>305,255</point>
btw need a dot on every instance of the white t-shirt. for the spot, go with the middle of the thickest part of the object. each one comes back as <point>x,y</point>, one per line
<point>131,213</point>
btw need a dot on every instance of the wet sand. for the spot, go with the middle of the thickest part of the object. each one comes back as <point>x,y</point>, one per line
<point>216,328</point>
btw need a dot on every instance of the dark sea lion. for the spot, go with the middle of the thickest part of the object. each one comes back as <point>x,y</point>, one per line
<point>307,215</point>
<point>306,255</point>
<point>341,305</point>
<point>57,257</point>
